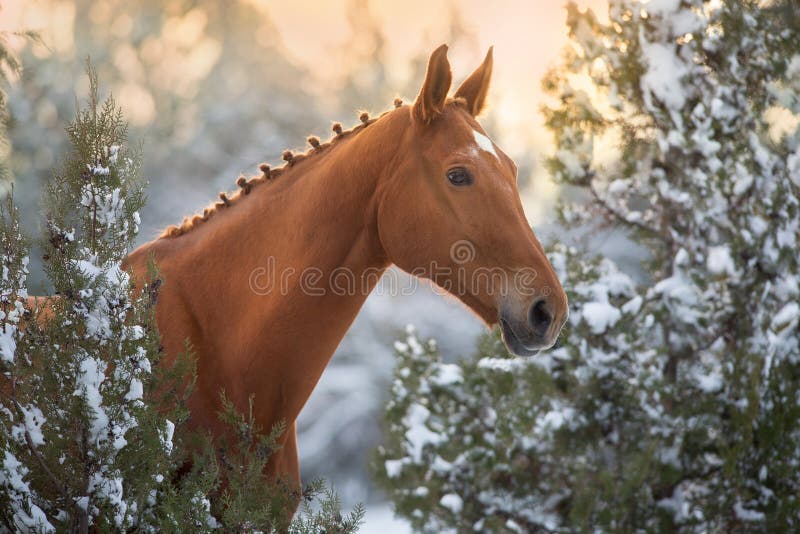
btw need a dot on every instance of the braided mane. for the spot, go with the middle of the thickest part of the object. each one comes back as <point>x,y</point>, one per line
<point>290,159</point>
<point>246,184</point>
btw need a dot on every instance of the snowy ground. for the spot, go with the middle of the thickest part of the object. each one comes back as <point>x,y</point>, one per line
<point>380,519</point>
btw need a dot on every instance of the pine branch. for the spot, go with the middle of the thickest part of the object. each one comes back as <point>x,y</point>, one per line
<point>620,218</point>
<point>54,480</point>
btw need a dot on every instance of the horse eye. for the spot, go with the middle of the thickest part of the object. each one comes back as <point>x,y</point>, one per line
<point>459,176</point>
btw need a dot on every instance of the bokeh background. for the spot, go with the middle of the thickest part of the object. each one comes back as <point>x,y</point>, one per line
<point>213,87</point>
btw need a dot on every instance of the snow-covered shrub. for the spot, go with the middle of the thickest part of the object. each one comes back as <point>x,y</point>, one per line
<point>673,399</point>
<point>90,416</point>
<point>83,447</point>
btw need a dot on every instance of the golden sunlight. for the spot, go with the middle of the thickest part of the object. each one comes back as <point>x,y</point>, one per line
<point>528,38</point>
<point>320,36</point>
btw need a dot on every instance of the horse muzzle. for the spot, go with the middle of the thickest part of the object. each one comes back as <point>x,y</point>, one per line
<point>535,330</point>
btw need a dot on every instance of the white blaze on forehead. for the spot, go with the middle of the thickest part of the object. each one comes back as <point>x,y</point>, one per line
<point>485,143</point>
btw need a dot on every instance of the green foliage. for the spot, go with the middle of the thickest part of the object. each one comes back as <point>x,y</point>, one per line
<point>328,517</point>
<point>461,438</point>
<point>672,400</point>
<point>251,502</point>
<point>226,488</point>
<point>76,377</point>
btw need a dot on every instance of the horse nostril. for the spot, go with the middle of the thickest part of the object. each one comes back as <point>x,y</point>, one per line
<point>540,318</point>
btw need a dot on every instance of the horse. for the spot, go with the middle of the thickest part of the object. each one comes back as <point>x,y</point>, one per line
<point>262,282</point>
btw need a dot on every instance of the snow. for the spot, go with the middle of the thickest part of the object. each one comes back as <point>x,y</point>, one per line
<point>109,207</point>
<point>447,374</point>
<point>8,343</point>
<point>553,419</point>
<point>711,382</point>
<point>414,344</point>
<point>613,282</point>
<point>166,437</point>
<point>18,492</point>
<point>617,187</point>
<point>600,316</point>
<point>452,502</point>
<point>677,504</point>
<point>98,309</point>
<point>82,502</point>
<point>788,314</point>
<point>704,142</point>
<point>502,364</point>
<point>514,526</point>
<point>98,170</point>
<point>90,377</point>
<point>633,306</point>
<point>760,153</point>
<point>418,435</point>
<point>109,489</point>
<point>88,269</point>
<point>440,465</point>
<point>202,501</point>
<point>142,361</point>
<point>13,474</point>
<point>662,7</point>
<point>380,519</point>
<point>33,419</point>
<point>571,163</point>
<point>113,153</point>
<point>742,183</point>
<point>719,261</point>
<point>746,514</point>
<point>136,390</point>
<point>38,521</point>
<point>663,76</point>
<point>421,491</point>
<point>393,468</point>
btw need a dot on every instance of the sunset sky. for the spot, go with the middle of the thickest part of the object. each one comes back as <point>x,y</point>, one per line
<point>528,37</point>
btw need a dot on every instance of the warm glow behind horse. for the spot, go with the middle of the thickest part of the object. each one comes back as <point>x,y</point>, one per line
<point>408,189</point>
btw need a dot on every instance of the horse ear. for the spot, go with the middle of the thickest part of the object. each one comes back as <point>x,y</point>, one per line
<point>476,87</point>
<point>433,94</point>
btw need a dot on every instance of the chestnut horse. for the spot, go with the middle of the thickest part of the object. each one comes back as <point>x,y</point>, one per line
<point>408,189</point>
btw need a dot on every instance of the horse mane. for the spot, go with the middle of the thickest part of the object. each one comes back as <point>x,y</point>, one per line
<point>290,158</point>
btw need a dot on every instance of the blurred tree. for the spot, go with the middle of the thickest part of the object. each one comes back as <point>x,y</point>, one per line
<point>206,83</point>
<point>670,406</point>
<point>9,67</point>
<point>366,85</point>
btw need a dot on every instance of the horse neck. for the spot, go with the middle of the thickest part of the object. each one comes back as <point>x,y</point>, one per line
<point>319,215</point>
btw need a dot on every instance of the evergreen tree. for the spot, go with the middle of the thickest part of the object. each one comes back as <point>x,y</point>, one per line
<point>672,402</point>
<point>87,409</point>
<point>81,440</point>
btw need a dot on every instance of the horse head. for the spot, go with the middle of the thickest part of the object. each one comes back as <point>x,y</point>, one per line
<point>451,212</point>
